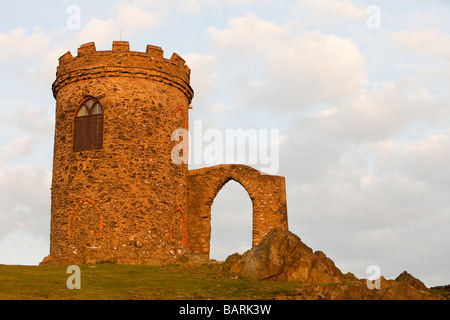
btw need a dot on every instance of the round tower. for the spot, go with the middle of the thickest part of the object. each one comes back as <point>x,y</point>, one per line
<point>117,194</point>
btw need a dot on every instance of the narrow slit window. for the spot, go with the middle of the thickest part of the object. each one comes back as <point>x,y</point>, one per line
<point>88,126</point>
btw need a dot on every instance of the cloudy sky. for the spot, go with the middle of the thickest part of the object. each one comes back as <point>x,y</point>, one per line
<point>356,90</point>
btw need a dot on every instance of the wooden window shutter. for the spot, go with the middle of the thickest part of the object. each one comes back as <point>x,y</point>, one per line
<point>97,131</point>
<point>78,134</point>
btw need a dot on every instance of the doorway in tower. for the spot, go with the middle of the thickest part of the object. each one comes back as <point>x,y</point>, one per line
<point>231,221</point>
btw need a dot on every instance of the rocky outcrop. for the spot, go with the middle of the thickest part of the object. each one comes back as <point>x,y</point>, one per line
<point>282,256</point>
<point>442,290</point>
<point>409,279</point>
<point>358,290</point>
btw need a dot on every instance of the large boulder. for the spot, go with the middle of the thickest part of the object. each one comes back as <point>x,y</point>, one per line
<point>282,256</point>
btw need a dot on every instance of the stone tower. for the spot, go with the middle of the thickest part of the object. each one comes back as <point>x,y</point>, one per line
<point>116,193</point>
<point>121,188</point>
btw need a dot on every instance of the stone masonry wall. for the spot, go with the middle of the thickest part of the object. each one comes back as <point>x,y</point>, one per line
<point>125,202</point>
<point>267,192</point>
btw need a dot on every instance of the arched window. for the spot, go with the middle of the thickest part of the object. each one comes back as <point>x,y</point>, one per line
<point>88,126</point>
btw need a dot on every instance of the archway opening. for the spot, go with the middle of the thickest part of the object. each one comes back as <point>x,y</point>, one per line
<point>231,221</point>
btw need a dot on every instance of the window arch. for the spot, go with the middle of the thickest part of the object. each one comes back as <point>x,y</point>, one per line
<point>88,126</point>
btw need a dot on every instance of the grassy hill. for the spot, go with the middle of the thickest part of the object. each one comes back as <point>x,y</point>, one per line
<point>110,281</point>
<point>130,282</point>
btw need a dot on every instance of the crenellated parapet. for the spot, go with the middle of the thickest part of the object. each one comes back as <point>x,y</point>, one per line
<point>120,61</point>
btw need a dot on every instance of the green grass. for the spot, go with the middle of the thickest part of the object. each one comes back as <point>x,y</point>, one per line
<point>124,282</point>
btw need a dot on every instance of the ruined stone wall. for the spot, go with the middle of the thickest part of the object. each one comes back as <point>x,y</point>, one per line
<point>127,201</point>
<point>267,193</point>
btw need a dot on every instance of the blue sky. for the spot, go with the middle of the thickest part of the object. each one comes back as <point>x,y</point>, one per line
<point>362,112</point>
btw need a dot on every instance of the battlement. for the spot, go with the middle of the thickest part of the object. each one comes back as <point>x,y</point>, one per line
<point>121,60</point>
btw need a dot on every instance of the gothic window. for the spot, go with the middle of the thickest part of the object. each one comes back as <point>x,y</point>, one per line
<point>88,126</point>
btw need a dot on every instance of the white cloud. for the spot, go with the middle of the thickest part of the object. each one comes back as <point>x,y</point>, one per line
<point>24,199</point>
<point>251,2</point>
<point>425,160</point>
<point>363,213</point>
<point>246,34</point>
<point>373,203</point>
<point>175,7</point>
<point>25,127</point>
<point>33,119</point>
<point>31,56</point>
<point>334,9</point>
<point>371,186</point>
<point>204,76</point>
<point>102,32</point>
<point>191,6</point>
<point>127,19</point>
<point>381,112</point>
<point>18,147</point>
<point>19,44</point>
<point>22,247</point>
<point>282,69</point>
<point>219,107</point>
<point>134,18</point>
<point>429,43</point>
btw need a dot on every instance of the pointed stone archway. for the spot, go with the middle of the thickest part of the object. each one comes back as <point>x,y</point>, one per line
<point>267,193</point>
